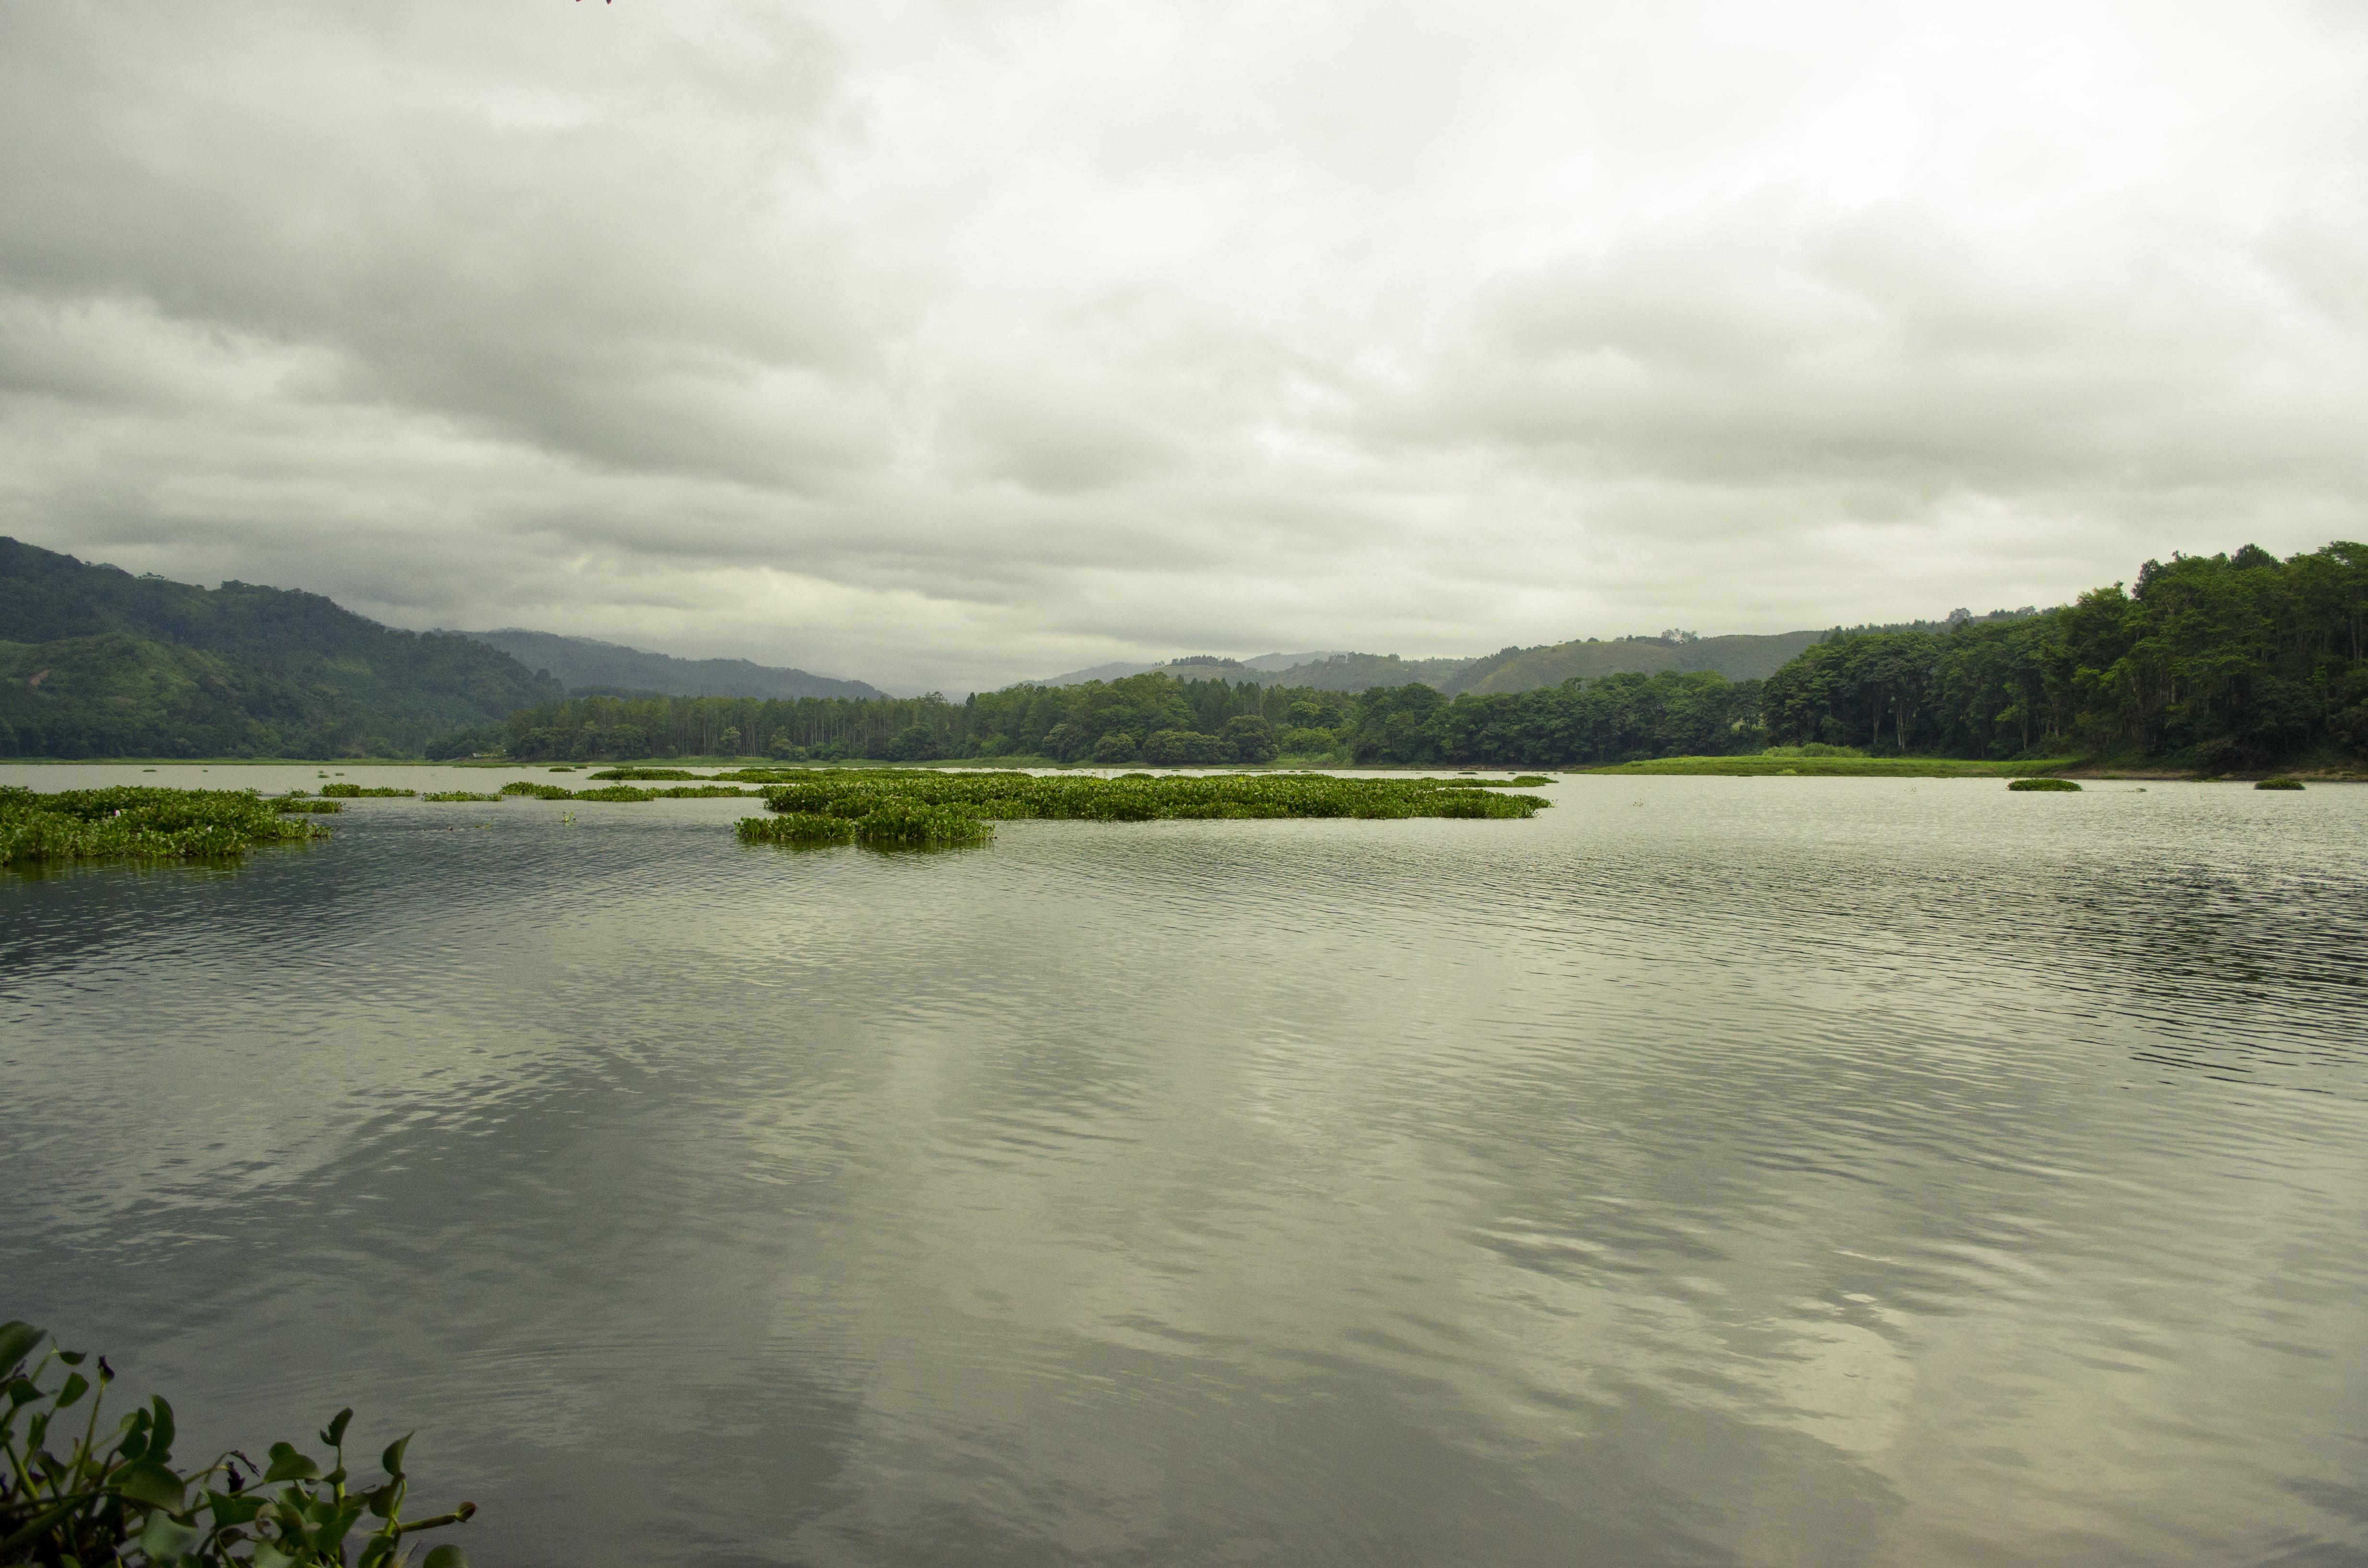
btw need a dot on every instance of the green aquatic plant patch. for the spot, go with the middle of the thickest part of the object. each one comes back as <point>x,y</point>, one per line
<point>1764,765</point>
<point>356,792</point>
<point>2279,784</point>
<point>75,1491</point>
<point>801,828</point>
<point>2027,785</point>
<point>627,792</point>
<point>458,795</point>
<point>1143,798</point>
<point>134,822</point>
<point>296,805</point>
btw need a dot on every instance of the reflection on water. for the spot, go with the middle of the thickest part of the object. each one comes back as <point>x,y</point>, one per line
<point>1761,1171</point>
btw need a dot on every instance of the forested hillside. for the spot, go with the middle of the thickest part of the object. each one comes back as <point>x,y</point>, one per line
<point>2211,663</point>
<point>95,662</point>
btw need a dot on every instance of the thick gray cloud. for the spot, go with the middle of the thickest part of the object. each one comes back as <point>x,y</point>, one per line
<point>946,344</point>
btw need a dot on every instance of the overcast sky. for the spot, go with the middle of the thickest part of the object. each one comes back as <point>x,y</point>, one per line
<point>945,345</point>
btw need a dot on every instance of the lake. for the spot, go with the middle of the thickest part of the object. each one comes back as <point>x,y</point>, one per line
<point>1708,1171</point>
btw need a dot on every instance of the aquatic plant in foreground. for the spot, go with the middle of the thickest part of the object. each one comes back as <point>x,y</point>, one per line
<point>2279,783</point>
<point>115,1495</point>
<point>138,821</point>
<point>2027,785</point>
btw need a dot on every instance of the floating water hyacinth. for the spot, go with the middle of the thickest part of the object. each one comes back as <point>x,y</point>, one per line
<point>926,809</point>
<point>134,821</point>
<point>2027,785</point>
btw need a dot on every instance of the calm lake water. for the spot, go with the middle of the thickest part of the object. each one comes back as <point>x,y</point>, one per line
<point>1709,1171</point>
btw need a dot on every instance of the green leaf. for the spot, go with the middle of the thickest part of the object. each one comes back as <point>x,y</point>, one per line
<point>73,1358</point>
<point>446,1556</point>
<point>160,1429</point>
<point>334,1432</point>
<point>22,1391</point>
<point>152,1483</point>
<point>230,1508</point>
<point>329,1540</point>
<point>287,1464</point>
<point>76,1386</point>
<point>391,1460</point>
<point>268,1555</point>
<point>376,1550</point>
<point>166,1538</point>
<point>17,1340</point>
<point>383,1500</point>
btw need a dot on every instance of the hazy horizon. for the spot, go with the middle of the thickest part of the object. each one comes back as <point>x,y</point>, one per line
<point>937,346</point>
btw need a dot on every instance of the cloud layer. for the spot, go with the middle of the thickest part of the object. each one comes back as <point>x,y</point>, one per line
<point>943,344</point>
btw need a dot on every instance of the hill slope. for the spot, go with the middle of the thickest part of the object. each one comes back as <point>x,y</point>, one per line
<point>95,662</point>
<point>579,662</point>
<point>1740,657</point>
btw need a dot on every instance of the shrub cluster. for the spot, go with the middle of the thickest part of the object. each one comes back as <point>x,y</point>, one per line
<point>132,822</point>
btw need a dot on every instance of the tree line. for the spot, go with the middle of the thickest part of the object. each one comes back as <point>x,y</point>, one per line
<point>2215,661</point>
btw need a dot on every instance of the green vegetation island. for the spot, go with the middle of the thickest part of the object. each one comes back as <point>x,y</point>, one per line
<point>2206,665</point>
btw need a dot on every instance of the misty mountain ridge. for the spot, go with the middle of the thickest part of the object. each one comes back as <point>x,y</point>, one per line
<point>95,662</point>
<point>581,663</point>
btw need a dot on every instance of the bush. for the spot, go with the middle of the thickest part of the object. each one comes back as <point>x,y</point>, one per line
<point>1252,739</point>
<point>914,743</point>
<point>2028,784</point>
<point>1116,748</point>
<point>114,1496</point>
<point>1170,748</point>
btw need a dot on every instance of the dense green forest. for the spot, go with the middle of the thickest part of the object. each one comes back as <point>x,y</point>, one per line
<point>2215,661</point>
<point>95,662</point>
<point>2211,662</point>
<point>1158,719</point>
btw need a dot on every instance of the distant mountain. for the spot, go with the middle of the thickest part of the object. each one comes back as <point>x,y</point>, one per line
<point>95,662</point>
<point>1360,672</point>
<point>1738,657</point>
<point>1514,670</point>
<point>580,662</point>
<point>1290,661</point>
<point>1119,671</point>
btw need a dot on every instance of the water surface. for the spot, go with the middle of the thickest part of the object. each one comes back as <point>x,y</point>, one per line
<point>1708,1171</point>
